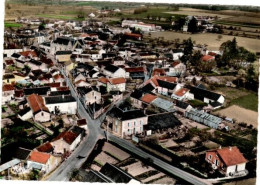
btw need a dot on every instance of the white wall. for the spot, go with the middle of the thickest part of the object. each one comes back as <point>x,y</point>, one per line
<point>69,108</point>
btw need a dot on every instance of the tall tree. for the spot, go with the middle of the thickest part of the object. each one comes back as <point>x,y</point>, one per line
<point>187,52</point>
<point>193,25</point>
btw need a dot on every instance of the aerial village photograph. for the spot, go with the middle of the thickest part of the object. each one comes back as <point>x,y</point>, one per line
<point>129,92</point>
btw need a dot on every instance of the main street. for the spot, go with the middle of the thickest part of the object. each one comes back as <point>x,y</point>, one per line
<point>62,173</point>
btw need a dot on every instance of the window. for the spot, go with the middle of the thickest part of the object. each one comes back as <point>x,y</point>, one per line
<point>128,124</point>
<point>210,157</point>
<point>42,114</point>
<point>217,162</point>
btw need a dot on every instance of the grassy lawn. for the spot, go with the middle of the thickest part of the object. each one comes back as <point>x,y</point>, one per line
<point>197,103</point>
<point>60,17</point>
<point>12,24</point>
<point>249,101</point>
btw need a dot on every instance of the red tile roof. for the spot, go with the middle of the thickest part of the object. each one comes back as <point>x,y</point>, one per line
<point>62,88</point>
<point>212,53</point>
<point>206,58</point>
<point>39,157</point>
<point>57,76</point>
<point>28,53</point>
<point>8,87</point>
<point>159,72</point>
<point>103,80</point>
<point>9,62</point>
<point>57,84</point>
<point>67,136</point>
<point>181,92</point>
<point>175,63</point>
<point>167,78</point>
<point>133,35</point>
<point>134,69</point>
<point>115,81</point>
<point>36,103</point>
<point>148,98</point>
<point>231,156</point>
<point>46,147</point>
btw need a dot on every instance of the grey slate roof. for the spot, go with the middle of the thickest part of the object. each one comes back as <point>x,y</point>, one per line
<point>127,115</point>
<point>59,99</point>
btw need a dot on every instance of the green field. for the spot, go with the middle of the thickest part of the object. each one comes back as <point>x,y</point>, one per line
<point>249,101</point>
<point>152,12</point>
<point>60,17</point>
<point>12,24</point>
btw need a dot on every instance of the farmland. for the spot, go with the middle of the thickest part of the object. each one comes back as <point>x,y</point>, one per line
<point>11,24</point>
<point>209,39</point>
<point>240,114</point>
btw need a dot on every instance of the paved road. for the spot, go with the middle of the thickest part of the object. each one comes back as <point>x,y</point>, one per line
<point>169,168</point>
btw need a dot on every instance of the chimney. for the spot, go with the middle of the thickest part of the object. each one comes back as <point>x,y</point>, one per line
<point>230,148</point>
<point>220,147</point>
<point>63,96</point>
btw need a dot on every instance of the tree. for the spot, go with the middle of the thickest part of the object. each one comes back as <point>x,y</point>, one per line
<point>193,25</point>
<point>188,48</point>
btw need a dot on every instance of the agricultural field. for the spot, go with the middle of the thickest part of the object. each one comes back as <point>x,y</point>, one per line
<point>12,25</point>
<point>47,11</point>
<point>211,40</point>
<point>240,114</point>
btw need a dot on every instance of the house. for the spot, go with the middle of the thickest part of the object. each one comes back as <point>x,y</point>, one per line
<point>65,104</point>
<point>133,36</point>
<point>46,148</point>
<point>159,72</point>
<point>163,104</point>
<point>181,107</point>
<point>63,56</point>
<point>65,142</point>
<point>90,94</point>
<point>135,73</point>
<point>82,83</point>
<point>204,118</point>
<point>205,95</point>
<point>148,98</point>
<point>180,94</point>
<point>43,91</point>
<point>82,123</point>
<point>8,78</point>
<point>207,58</point>
<point>35,65</point>
<point>39,111</point>
<point>228,161</point>
<point>7,93</point>
<point>95,110</point>
<point>42,161</point>
<point>116,84</point>
<point>64,44</point>
<point>161,121</point>
<point>176,69</point>
<point>136,96</point>
<point>126,123</point>
<point>102,81</point>
<point>113,71</point>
